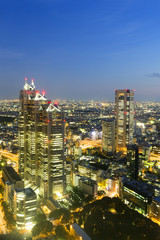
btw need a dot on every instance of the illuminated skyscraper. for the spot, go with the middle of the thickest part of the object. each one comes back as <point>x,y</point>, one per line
<point>41,142</point>
<point>108,135</point>
<point>124,106</point>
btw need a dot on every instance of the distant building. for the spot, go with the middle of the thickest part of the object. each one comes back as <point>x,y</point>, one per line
<point>68,172</point>
<point>124,109</point>
<point>132,161</point>
<point>10,180</point>
<point>108,136</point>
<point>25,207</point>
<point>88,186</point>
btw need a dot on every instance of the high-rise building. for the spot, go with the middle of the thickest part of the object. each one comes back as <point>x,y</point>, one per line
<point>124,108</point>
<point>108,136</point>
<point>133,161</point>
<point>41,142</point>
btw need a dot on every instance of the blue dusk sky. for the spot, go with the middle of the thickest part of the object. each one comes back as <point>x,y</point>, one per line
<point>80,49</point>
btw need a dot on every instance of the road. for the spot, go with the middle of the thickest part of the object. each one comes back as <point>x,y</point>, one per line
<point>88,143</point>
<point>11,156</point>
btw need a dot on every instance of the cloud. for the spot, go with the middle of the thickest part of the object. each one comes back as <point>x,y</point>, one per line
<point>153,75</point>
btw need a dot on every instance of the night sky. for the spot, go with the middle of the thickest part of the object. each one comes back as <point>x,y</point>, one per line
<point>80,49</point>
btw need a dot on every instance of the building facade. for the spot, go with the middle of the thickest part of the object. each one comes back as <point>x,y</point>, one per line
<point>25,207</point>
<point>133,161</point>
<point>41,142</point>
<point>124,109</point>
<point>108,136</point>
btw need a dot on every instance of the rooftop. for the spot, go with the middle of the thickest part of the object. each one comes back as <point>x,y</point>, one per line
<point>80,231</point>
<point>11,173</point>
<point>26,191</point>
<point>141,188</point>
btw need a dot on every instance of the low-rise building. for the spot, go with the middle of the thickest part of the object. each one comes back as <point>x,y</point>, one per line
<point>138,195</point>
<point>154,210</point>
<point>25,207</point>
<point>10,180</point>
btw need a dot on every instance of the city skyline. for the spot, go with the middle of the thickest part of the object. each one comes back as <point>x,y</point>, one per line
<point>82,49</point>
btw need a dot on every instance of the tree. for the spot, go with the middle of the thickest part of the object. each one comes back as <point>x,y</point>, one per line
<point>43,227</point>
<point>61,232</point>
<point>40,217</point>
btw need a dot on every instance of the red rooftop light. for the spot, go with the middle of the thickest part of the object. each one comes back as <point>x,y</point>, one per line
<point>25,79</point>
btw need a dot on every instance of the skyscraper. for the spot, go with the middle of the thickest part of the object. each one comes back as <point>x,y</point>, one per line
<point>124,106</point>
<point>108,135</point>
<point>41,142</point>
<point>132,161</point>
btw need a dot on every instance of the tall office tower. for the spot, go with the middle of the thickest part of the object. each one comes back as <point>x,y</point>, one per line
<point>124,106</point>
<point>108,136</point>
<point>41,142</point>
<point>132,161</point>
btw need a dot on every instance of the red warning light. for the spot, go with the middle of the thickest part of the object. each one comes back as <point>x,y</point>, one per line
<point>55,103</point>
<point>133,90</point>
<point>25,79</point>
<point>126,89</point>
<point>37,91</point>
<point>49,102</point>
<point>43,93</point>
